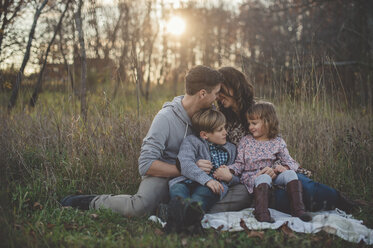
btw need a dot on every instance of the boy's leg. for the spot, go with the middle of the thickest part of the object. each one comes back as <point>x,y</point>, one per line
<point>179,194</point>
<point>152,191</point>
<point>204,196</point>
<point>237,198</point>
<point>181,190</point>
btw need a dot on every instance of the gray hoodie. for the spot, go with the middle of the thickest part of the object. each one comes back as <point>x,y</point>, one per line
<point>168,129</point>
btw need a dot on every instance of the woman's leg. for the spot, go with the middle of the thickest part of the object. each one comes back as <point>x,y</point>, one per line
<point>316,196</point>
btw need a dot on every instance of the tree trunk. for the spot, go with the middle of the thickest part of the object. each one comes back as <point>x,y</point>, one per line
<point>83,90</point>
<point>17,85</point>
<point>66,64</point>
<point>34,96</point>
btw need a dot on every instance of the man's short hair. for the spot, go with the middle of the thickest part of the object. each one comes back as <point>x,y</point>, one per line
<point>207,120</point>
<point>201,77</point>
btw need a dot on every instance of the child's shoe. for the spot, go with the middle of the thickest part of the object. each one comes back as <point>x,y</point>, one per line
<point>175,215</point>
<point>193,217</point>
<point>294,190</point>
<point>261,196</point>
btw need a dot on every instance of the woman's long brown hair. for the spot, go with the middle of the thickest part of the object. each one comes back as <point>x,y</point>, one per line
<point>243,93</point>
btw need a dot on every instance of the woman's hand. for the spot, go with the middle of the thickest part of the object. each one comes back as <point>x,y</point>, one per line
<point>223,173</point>
<point>279,168</point>
<point>215,186</point>
<point>204,165</point>
<point>269,171</point>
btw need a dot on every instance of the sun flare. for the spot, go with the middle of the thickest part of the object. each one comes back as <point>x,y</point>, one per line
<point>176,25</point>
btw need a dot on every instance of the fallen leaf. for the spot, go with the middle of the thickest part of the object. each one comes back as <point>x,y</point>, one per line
<point>158,231</point>
<point>287,231</point>
<point>49,225</point>
<point>256,234</point>
<point>243,225</point>
<point>37,205</point>
<point>220,227</point>
<point>316,238</point>
<point>251,233</point>
<point>94,216</point>
<point>70,226</point>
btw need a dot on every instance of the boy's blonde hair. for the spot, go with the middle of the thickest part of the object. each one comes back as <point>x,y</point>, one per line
<point>207,120</point>
<point>266,112</point>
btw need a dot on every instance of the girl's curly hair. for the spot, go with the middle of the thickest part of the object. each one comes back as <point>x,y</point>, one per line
<point>265,111</point>
<point>243,93</point>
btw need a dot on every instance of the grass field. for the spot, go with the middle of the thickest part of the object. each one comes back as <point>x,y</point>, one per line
<point>49,152</point>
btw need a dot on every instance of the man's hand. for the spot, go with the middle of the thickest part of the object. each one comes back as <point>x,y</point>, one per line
<point>223,173</point>
<point>269,171</point>
<point>279,168</point>
<point>204,165</point>
<point>215,186</point>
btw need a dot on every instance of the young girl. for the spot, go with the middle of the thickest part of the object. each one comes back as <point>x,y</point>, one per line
<point>255,163</point>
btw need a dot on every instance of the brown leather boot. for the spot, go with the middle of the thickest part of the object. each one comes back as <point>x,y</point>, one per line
<point>261,195</point>
<point>294,190</point>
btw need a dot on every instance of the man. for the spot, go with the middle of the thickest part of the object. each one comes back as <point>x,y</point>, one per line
<point>160,148</point>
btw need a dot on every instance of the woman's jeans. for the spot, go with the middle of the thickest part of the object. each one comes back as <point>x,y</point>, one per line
<point>194,192</point>
<point>316,196</point>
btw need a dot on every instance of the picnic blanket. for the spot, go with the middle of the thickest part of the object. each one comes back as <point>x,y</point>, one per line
<point>335,222</point>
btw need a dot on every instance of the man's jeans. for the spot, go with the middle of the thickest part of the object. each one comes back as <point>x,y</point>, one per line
<point>195,192</point>
<point>316,196</point>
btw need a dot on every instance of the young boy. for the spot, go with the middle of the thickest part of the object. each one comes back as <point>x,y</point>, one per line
<point>195,192</point>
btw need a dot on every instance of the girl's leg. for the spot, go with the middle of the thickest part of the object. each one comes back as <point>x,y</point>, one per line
<point>285,177</point>
<point>261,196</point>
<point>316,196</point>
<point>294,191</point>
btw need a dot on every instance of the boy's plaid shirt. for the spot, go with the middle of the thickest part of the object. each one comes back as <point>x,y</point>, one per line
<point>219,156</point>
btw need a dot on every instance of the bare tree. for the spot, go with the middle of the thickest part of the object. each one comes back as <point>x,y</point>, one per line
<point>121,74</point>
<point>26,57</point>
<point>83,90</point>
<point>68,71</point>
<point>9,10</point>
<point>35,94</point>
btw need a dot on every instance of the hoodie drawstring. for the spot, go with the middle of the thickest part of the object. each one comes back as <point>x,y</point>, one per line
<point>186,130</point>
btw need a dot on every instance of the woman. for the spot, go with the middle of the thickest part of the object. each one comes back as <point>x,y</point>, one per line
<point>236,97</point>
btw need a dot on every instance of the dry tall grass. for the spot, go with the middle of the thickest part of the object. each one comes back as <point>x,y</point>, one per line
<point>52,152</point>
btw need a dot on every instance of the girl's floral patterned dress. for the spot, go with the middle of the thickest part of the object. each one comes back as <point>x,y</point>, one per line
<point>253,155</point>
